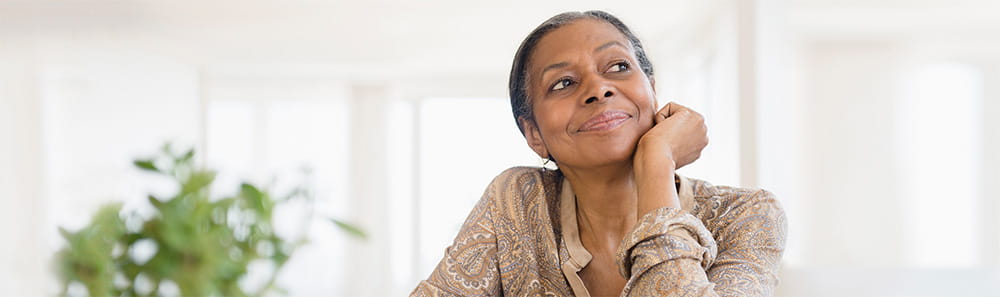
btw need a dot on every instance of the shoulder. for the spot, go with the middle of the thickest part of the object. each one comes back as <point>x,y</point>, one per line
<point>726,206</point>
<point>519,193</point>
<point>524,181</point>
<point>518,174</point>
<point>727,199</point>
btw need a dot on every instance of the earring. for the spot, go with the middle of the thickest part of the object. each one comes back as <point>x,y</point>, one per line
<point>545,163</point>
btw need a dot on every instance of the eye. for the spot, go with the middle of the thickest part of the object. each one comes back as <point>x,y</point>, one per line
<point>619,67</point>
<point>561,84</point>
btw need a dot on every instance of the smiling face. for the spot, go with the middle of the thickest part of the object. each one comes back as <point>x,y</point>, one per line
<point>590,100</point>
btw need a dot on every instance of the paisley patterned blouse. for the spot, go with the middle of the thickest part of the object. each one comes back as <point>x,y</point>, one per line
<point>522,239</point>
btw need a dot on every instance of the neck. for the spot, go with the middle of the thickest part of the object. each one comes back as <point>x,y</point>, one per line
<point>606,201</point>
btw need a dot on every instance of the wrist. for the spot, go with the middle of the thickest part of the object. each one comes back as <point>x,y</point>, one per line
<point>653,158</point>
<point>654,176</point>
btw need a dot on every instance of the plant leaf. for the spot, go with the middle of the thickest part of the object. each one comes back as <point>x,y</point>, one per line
<point>146,165</point>
<point>197,181</point>
<point>350,229</point>
<point>155,202</point>
<point>257,200</point>
<point>187,156</point>
<point>66,234</point>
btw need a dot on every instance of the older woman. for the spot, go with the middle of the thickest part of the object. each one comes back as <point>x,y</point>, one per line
<point>614,219</point>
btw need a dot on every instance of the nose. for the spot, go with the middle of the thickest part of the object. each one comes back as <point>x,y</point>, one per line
<point>592,99</point>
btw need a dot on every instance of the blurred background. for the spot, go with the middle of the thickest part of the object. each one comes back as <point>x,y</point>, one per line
<point>876,122</point>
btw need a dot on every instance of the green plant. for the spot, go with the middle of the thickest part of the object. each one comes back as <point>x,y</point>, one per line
<point>192,245</point>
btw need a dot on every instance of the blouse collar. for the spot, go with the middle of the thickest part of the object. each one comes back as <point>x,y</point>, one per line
<point>579,257</point>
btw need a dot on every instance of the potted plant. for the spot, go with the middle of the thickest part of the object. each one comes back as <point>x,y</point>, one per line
<point>191,245</point>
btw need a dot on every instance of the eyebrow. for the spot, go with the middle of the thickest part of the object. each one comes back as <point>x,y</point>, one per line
<point>597,49</point>
<point>553,66</point>
<point>607,45</point>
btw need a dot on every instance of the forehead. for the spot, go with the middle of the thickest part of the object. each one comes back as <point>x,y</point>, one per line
<point>576,38</point>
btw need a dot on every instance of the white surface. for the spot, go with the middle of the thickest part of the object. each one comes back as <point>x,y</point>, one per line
<point>85,86</point>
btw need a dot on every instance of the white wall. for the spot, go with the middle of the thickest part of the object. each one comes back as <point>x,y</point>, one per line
<point>849,150</point>
<point>804,98</point>
<point>892,141</point>
<point>22,212</point>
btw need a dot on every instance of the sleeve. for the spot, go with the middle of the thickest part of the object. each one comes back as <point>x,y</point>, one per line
<point>469,266</point>
<point>671,253</point>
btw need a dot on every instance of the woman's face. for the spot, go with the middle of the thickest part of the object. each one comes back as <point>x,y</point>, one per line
<point>591,101</point>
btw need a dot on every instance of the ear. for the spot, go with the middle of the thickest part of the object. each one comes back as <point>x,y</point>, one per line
<point>652,84</point>
<point>534,138</point>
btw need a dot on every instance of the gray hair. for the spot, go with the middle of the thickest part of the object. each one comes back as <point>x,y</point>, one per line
<point>520,104</point>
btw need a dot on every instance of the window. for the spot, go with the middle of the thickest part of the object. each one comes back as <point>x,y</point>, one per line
<point>299,131</point>
<point>443,152</point>
<point>464,143</point>
<point>95,119</point>
<point>938,154</point>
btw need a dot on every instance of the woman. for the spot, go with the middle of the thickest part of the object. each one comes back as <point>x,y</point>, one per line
<point>614,220</point>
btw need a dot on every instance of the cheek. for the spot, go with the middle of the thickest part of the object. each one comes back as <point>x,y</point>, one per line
<point>549,118</point>
<point>642,95</point>
<point>554,125</point>
<point>644,99</point>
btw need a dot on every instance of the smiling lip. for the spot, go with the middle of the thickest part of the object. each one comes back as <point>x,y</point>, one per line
<point>604,121</point>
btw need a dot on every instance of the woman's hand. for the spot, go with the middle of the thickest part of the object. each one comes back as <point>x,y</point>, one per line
<point>676,139</point>
<point>678,133</point>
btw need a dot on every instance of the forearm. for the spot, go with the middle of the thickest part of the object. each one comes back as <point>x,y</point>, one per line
<point>654,171</point>
<point>681,277</point>
<point>667,255</point>
<point>672,253</point>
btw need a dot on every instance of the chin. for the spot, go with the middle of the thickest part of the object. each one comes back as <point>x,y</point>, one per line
<point>620,151</point>
<point>614,148</point>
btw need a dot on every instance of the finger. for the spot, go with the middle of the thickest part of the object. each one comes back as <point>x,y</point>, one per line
<point>660,116</point>
<point>663,113</point>
<point>675,108</point>
<point>672,108</point>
